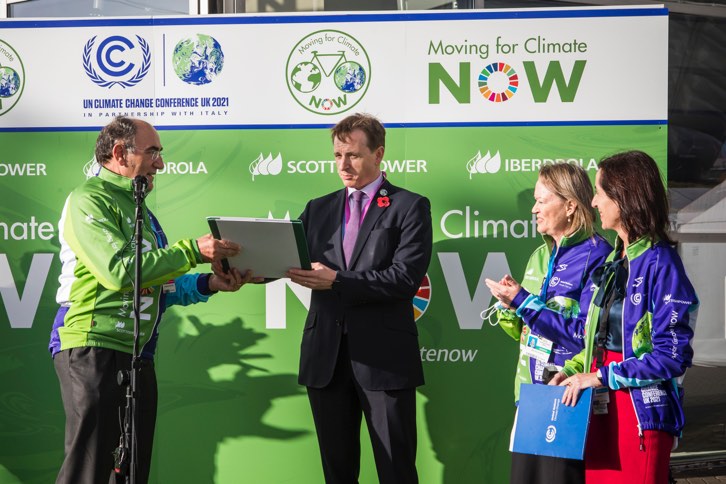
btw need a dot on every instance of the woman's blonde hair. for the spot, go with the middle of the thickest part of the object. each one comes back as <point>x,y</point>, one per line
<point>571,183</point>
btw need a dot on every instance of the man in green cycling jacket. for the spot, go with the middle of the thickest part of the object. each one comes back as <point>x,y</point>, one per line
<point>93,332</point>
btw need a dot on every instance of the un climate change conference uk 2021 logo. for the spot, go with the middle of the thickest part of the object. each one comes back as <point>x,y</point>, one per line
<point>12,77</point>
<point>119,60</point>
<point>328,72</point>
<point>198,60</point>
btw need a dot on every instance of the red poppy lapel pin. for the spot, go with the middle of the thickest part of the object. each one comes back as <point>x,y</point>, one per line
<point>383,200</point>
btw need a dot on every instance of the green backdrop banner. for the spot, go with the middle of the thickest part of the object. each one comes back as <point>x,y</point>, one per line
<point>230,409</point>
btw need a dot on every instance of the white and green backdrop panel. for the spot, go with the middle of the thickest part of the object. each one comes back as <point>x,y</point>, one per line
<point>474,103</point>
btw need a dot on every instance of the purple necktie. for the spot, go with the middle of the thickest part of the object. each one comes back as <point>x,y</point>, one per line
<point>351,228</point>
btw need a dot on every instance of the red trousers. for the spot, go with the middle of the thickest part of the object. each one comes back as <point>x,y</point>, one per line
<point>613,453</point>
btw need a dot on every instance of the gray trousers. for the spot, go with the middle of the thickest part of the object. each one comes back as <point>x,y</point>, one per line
<point>94,404</point>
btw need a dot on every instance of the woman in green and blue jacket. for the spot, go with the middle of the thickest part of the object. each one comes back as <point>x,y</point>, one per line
<point>546,313</point>
<point>638,332</point>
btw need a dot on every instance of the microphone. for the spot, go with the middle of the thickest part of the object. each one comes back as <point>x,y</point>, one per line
<point>140,183</point>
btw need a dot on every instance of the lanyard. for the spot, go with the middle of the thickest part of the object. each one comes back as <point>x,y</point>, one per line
<point>612,275</point>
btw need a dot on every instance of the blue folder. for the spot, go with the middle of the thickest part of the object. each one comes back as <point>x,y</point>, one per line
<point>546,426</point>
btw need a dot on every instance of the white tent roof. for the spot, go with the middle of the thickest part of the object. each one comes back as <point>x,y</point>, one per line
<point>706,214</point>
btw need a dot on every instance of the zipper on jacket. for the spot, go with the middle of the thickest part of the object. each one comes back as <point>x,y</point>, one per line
<point>622,341</point>
<point>548,275</point>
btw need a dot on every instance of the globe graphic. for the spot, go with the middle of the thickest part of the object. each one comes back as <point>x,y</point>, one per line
<point>305,77</point>
<point>198,60</point>
<point>349,76</point>
<point>9,82</point>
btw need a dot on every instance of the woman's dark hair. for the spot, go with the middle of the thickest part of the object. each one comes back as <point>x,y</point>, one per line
<point>633,181</point>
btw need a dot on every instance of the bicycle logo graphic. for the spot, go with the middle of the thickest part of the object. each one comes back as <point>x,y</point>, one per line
<point>12,77</point>
<point>328,72</point>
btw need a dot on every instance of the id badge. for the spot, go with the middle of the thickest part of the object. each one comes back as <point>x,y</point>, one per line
<point>169,286</point>
<point>536,347</point>
<point>600,401</point>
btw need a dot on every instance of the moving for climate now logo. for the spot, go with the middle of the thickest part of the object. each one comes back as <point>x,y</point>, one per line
<point>499,81</point>
<point>12,77</point>
<point>328,72</point>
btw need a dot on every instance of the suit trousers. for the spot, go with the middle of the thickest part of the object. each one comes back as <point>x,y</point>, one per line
<point>94,404</point>
<point>391,419</point>
<point>543,469</point>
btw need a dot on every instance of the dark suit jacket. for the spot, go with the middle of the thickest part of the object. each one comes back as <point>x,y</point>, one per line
<point>373,297</point>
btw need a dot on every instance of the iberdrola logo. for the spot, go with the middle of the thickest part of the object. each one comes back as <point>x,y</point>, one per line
<point>328,72</point>
<point>484,164</point>
<point>12,77</point>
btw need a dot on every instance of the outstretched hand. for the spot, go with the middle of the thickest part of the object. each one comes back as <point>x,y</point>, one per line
<point>215,249</point>
<point>230,281</point>
<point>505,290</point>
<point>577,382</point>
<point>320,277</point>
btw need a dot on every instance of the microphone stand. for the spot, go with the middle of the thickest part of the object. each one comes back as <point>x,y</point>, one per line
<point>123,465</point>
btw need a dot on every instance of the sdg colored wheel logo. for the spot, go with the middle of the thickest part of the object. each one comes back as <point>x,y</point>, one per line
<point>422,299</point>
<point>12,77</point>
<point>498,82</point>
<point>328,72</point>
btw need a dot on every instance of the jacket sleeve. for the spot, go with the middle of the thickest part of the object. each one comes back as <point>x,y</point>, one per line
<point>672,303</point>
<point>92,230</point>
<point>510,323</point>
<point>402,278</point>
<point>575,365</point>
<point>508,319</point>
<point>187,291</point>
<point>565,328</point>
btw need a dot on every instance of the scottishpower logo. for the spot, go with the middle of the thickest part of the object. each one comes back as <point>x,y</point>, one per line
<point>116,60</point>
<point>12,77</point>
<point>269,164</point>
<point>266,165</point>
<point>328,72</point>
<point>492,163</point>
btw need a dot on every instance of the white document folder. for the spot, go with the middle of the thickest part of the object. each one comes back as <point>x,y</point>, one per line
<point>269,246</point>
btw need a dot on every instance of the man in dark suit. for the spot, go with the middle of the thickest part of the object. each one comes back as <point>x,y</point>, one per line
<point>371,243</point>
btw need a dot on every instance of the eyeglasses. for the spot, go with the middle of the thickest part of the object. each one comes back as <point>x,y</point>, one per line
<point>154,153</point>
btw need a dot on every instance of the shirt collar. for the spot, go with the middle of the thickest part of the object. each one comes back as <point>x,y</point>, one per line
<point>116,179</point>
<point>369,189</point>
